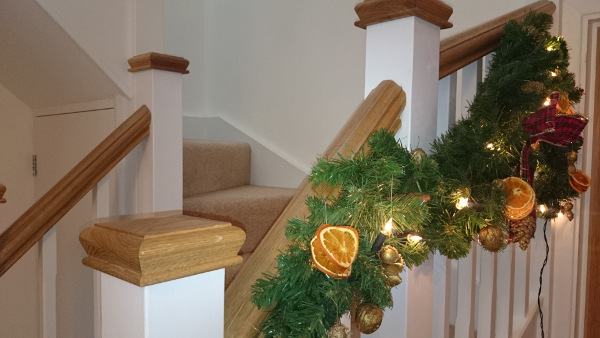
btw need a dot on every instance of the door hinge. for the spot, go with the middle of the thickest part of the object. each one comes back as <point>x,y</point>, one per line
<point>34,164</point>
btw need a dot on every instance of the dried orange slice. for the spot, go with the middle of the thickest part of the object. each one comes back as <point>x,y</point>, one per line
<point>340,242</point>
<point>579,181</point>
<point>520,198</point>
<point>322,261</point>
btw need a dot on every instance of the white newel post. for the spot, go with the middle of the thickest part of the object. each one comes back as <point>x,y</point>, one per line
<point>403,45</point>
<point>162,274</point>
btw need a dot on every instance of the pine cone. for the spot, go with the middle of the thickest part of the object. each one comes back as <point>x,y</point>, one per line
<point>523,231</point>
<point>533,87</point>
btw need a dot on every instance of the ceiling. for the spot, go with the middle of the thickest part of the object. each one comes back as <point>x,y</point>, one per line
<point>41,64</point>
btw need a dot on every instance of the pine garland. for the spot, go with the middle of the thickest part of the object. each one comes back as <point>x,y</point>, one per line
<point>420,193</point>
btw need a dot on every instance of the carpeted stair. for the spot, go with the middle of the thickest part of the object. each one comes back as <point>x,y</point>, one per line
<point>216,185</point>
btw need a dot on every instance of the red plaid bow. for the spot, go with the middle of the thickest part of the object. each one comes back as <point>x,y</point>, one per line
<point>546,125</point>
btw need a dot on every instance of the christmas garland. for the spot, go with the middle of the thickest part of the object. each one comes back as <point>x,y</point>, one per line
<point>484,180</point>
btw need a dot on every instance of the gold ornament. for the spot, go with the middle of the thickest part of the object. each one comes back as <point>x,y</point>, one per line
<point>523,231</point>
<point>571,169</point>
<point>392,272</point>
<point>418,155</point>
<point>368,318</point>
<point>567,210</point>
<point>338,330</point>
<point>388,255</point>
<point>572,157</point>
<point>491,238</point>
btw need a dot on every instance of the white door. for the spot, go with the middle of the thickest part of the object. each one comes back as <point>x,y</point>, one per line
<point>61,141</point>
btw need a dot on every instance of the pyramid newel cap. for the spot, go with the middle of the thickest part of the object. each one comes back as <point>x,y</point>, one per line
<point>371,12</point>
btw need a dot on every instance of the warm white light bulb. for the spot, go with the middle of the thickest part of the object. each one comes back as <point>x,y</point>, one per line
<point>547,102</point>
<point>490,146</point>
<point>553,74</point>
<point>387,229</point>
<point>560,214</point>
<point>414,238</point>
<point>543,208</point>
<point>462,203</point>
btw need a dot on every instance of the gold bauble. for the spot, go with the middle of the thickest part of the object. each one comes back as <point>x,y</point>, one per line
<point>388,255</point>
<point>571,169</point>
<point>368,318</point>
<point>338,330</point>
<point>391,272</point>
<point>570,215</point>
<point>572,157</point>
<point>491,238</point>
<point>417,155</point>
<point>567,206</point>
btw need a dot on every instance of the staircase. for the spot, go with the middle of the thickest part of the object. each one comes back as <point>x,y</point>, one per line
<point>216,185</point>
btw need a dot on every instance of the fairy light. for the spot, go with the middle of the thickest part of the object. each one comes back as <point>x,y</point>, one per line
<point>547,102</point>
<point>553,74</point>
<point>414,238</point>
<point>543,208</point>
<point>462,203</point>
<point>490,146</point>
<point>381,237</point>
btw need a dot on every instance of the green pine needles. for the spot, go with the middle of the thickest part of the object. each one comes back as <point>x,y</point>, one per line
<point>420,193</point>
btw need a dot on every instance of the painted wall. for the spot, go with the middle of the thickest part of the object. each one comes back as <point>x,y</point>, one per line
<point>19,286</point>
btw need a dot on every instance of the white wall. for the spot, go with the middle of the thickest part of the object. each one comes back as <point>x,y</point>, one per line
<point>19,286</point>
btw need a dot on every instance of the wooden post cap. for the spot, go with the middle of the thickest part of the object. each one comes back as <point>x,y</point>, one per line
<point>371,12</point>
<point>159,61</point>
<point>148,251</point>
<point>2,191</point>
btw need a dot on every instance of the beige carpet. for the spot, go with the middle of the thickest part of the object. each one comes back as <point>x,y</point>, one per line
<point>216,186</point>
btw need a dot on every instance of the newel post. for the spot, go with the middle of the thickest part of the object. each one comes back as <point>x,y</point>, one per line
<point>403,45</point>
<point>161,274</point>
<point>158,85</point>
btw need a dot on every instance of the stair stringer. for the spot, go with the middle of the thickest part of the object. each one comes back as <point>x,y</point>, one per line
<point>381,109</point>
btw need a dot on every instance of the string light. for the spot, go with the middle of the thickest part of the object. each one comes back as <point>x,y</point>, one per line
<point>543,208</point>
<point>547,102</point>
<point>414,238</point>
<point>381,237</point>
<point>462,203</point>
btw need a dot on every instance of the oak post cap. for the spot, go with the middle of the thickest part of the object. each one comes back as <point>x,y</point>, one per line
<point>159,61</point>
<point>371,12</point>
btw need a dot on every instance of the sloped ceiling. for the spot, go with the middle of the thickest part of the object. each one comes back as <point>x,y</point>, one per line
<point>41,64</point>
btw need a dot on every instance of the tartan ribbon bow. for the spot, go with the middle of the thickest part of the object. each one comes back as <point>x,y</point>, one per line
<point>550,126</point>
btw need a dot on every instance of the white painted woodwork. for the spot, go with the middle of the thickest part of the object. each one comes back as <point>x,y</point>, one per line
<point>67,286</point>
<point>406,51</point>
<point>159,181</point>
<point>189,307</point>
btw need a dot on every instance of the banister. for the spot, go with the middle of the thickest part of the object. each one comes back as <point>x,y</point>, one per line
<point>460,50</point>
<point>52,206</point>
<point>381,109</point>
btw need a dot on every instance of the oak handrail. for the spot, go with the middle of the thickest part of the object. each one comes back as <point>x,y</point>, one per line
<point>50,208</point>
<point>381,109</point>
<point>460,50</point>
